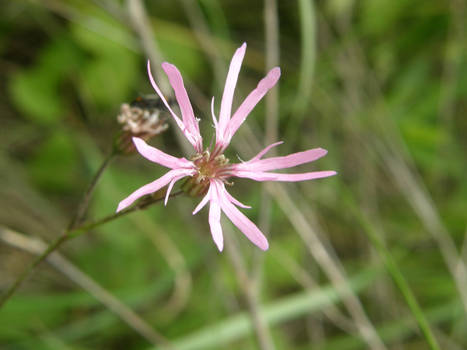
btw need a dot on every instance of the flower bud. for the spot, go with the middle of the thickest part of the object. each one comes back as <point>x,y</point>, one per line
<point>141,118</point>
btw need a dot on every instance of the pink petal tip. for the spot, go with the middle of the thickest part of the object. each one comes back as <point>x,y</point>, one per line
<point>120,207</point>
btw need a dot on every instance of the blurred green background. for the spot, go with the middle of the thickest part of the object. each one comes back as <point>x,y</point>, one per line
<point>380,84</point>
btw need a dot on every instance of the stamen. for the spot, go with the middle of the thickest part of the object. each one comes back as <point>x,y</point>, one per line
<point>209,167</point>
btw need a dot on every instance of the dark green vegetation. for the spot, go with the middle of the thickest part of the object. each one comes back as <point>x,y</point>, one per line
<point>381,84</point>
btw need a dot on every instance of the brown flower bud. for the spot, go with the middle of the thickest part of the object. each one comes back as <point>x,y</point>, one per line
<point>141,118</point>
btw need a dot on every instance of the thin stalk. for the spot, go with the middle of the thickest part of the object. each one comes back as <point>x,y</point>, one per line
<point>311,233</point>
<point>308,54</point>
<point>247,285</point>
<point>20,279</point>
<point>83,206</point>
<point>60,263</point>
<point>205,39</point>
<point>72,233</point>
<point>399,280</point>
<point>271,33</point>
<point>142,25</point>
<point>139,206</point>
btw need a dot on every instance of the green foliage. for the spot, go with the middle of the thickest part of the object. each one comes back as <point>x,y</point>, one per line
<point>36,94</point>
<point>182,54</point>
<point>109,74</point>
<point>376,25</point>
<point>53,166</point>
<point>36,91</point>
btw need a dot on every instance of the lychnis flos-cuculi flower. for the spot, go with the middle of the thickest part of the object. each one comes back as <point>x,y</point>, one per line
<point>209,170</point>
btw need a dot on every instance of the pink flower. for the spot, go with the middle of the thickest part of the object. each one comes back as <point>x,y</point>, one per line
<point>209,170</point>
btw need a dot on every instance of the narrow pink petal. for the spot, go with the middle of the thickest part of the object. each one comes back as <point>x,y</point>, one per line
<point>189,120</point>
<point>266,150</point>
<point>156,88</point>
<point>215,220</point>
<point>229,89</point>
<point>262,176</point>
<point>159,157</point>
<point>171,185</point>
<point>251,101</point>
<point>244,224</point>
<point>152,187</point>
<point>203,202</point>
<point>213,114</point>
<point>289,161</point>
<point>235,201</point>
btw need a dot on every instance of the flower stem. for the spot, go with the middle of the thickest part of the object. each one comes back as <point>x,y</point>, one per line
<point>19,280</point>
<point>72,233</point>
<point>83,206</point>
<point>142,204</point>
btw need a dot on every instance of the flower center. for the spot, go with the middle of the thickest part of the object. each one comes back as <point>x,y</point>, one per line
<point>209,166</point>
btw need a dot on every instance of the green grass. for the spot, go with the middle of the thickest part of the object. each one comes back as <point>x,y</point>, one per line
<point>380,84</point>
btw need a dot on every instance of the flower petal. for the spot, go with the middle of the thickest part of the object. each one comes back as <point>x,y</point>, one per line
<point>171,185</point>
<point>289,161</point>
<point>214,119</point>
<point>266,150</point>
<point>153,187</point>
<point>263,176</point>
<point>235,201</point>
<point>229,89</point>
<point>244,224</point>
<point>158,91</point>
<point>203,202</point>
<point>250,102</point>
<point>189,120</point>
<point>159,157</point>
<point>215,220</point>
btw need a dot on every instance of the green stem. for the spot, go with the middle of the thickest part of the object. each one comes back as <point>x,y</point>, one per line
<point>19,280</point>
<point>143,204</point>
<point>83,206</point>
<point>399,280</point>
<point>72,233</point>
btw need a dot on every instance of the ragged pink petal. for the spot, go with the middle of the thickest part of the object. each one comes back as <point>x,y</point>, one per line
<point>229,89</point>
<point>171,185</point>
<point>153,186</point>
<point>244,224</point>
<point>235,201</point>
<point>203,202</point>
<point>214,119</point>
<point>266,150</point>
<point>250,102</point>
<point>189,120</point>
<point>215,219</point>
<point>276,163</point>
<point>159,157</point>
<point>190,137</point>
<point>159,92</point>
<point>263,176</point>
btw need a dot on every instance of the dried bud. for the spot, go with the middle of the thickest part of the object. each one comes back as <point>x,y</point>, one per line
<point>140,119</point>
